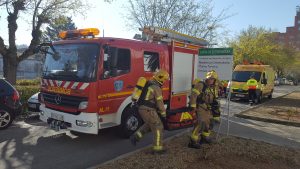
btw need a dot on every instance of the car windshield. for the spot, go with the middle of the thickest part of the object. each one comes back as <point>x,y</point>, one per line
<point>75,62</point>
<point>244,76</point>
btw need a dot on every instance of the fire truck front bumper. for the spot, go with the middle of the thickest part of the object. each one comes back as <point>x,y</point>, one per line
<point>83,122</point>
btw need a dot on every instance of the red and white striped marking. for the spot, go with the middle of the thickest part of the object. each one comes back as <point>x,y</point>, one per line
<point>65,84</point>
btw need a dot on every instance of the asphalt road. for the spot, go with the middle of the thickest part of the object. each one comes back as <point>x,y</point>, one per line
<point>31,144</point>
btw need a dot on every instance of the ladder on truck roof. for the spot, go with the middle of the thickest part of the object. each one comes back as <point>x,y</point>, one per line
<point>157,34</point>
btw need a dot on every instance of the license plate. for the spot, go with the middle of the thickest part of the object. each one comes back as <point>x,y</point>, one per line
<point>239,95</point>
<point>32,105</point>
<point>57,116</point>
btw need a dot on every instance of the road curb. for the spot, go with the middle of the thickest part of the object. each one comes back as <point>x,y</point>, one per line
<point>136,151</point>
<point>243,115</point>
<point>288,123</point>
<point>27,116</point>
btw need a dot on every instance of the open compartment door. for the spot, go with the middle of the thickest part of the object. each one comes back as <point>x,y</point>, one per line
<point>182,75</point>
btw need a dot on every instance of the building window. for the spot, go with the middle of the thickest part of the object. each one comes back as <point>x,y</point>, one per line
<point>151,61</point>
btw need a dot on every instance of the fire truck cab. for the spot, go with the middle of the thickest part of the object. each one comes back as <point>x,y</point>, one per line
<point>87,81</point>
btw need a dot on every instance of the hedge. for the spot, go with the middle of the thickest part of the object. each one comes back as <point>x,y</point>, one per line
<point>26,82</point>
<point>27,91</point>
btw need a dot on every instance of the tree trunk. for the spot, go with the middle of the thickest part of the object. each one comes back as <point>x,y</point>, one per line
<point>10,69</point>
<point>11,75</point>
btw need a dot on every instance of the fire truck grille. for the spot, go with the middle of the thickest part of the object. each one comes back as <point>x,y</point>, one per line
<point>63,100</point>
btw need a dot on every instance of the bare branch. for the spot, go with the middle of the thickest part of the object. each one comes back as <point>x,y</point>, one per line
<point>191,17</point>
<point>35,12</point>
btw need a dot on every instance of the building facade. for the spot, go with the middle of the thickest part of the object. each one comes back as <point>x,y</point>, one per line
<point>292,35</point>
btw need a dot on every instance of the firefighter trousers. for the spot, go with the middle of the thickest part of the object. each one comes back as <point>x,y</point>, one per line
<point>202,125</point>
<point>215,110</point>
<point>252,95</point>
<point>152,123</point>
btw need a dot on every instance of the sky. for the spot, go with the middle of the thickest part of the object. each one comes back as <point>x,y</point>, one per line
<point>274,14</point>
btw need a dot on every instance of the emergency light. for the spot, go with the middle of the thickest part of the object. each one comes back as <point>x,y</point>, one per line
<point>79,33</point>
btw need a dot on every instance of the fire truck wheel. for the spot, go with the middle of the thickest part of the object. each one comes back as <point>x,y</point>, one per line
<point>131,121</point>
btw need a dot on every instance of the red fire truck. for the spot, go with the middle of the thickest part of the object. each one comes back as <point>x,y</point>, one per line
<point>87,81</point>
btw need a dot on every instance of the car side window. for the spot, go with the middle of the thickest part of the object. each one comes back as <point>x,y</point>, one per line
<point>116,62</point>
<point>151,61</point>
<point>264,76</point>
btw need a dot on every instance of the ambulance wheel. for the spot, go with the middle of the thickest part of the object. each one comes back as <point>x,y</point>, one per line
<point>130,122</point>
<point>271,95</point>
<point>259,98</point>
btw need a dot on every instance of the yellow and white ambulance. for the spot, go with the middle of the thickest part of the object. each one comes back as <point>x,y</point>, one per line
<point>264,74</point>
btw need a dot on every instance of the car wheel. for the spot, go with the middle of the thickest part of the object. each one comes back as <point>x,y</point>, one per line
<point>130,122</point>
<point>6,119</point>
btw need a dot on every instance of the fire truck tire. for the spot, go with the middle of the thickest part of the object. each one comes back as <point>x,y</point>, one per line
<point>130,122</point>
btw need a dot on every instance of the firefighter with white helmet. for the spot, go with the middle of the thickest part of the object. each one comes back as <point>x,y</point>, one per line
<point>201,98</point>
<point>151,108</point>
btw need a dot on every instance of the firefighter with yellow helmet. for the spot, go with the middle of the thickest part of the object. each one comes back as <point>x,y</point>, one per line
<point>151,108</point>
<point>215,106</point>
<point>201,98</point>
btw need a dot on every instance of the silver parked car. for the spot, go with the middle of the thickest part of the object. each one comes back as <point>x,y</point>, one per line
<point>33,103</point>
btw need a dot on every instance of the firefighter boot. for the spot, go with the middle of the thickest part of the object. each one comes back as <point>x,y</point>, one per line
<point>193,144</point>
<point>134,138</point>
<point>207,140</point>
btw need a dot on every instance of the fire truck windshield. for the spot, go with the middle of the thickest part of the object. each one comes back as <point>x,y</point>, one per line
<point>74,62</point>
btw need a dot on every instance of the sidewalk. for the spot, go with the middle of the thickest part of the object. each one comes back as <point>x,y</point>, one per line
<point>249,141</point>
<point>282,110</point>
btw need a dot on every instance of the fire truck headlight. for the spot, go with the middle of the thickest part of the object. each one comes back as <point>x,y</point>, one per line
<point>84,123</point>
<point>83,105</point>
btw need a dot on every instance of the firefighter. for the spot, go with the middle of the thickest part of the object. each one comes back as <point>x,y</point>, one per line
<point>252,86</point>
<point>215,106</point>
<point>201,98</point>
<point>151,108</point>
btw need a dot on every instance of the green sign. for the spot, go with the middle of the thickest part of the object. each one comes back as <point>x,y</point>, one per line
<point>215,51</point>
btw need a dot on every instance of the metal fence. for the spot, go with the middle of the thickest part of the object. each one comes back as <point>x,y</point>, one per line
<point>27,69</point>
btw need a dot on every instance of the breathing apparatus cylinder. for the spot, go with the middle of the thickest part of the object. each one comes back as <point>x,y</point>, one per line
<point>138,89</point>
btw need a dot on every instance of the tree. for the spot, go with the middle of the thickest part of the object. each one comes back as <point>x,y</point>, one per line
<point>61,23</point>
<point>259,44</point>
<point>41,12</point>
<point>191,17</point>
